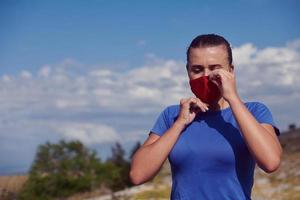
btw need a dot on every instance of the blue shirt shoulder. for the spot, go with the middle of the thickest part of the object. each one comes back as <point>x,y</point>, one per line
<point>167,117</point>
<point>262,114</point>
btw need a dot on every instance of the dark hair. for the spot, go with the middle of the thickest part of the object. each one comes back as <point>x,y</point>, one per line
<point>209,40</point>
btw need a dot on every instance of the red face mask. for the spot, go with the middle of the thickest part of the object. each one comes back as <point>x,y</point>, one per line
<point>206,90</point>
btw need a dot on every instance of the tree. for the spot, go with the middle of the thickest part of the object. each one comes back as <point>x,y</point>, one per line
<point>118,155</point>
<point>60,170</point>
<point>120,168</point>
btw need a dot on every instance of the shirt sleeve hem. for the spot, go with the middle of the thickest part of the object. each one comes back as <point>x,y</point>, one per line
<point>155,133</point>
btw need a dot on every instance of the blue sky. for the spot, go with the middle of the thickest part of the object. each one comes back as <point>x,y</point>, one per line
<point>102,71</point>
<point>122,32</point>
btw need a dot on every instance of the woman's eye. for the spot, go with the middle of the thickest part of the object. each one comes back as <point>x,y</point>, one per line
<point>197,70</point>
<point>216,67</point>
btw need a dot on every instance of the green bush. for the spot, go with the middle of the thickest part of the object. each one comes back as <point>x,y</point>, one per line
<point>63,169</point>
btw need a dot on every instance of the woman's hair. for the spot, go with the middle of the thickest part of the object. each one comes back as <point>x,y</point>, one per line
<point>209,40</point>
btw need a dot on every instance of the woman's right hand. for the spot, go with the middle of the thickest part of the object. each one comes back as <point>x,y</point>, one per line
<point>189,108</point>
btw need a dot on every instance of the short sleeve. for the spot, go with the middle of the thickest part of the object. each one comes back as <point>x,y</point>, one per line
<point>264,115</point>
<point>162,123</point>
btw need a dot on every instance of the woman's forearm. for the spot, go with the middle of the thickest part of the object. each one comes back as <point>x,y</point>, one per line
<point>147,161</point>
<point>264,147</point>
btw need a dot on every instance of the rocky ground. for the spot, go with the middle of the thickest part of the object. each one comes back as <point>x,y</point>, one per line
<point>284,184</point>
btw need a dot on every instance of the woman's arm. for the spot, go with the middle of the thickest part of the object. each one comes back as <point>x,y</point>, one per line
<point>261,139</point>
<point>149,158</point>
<point>147,161</point>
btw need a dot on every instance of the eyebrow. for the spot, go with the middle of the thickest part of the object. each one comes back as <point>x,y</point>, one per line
<point>201,66</point>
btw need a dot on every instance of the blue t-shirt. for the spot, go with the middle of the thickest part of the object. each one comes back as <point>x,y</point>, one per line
<point>210,159</point>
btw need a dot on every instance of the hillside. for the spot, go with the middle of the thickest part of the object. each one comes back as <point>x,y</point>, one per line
<point>284,184</point>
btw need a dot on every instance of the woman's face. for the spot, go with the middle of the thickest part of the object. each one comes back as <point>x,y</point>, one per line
<point>204,60</point>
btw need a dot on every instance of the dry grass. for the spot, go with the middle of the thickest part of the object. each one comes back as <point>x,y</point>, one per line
<point>11,185</point>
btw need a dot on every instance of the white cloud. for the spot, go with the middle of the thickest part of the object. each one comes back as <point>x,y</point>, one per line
<point>295,44</point>
<point>6,78</point>
<point>269,71</point>
<point>88,133</point>
<point>25,74</point>
<point>102,105</point>
<point>100,73</point>
<point>69,103</point>
<point>260,73</point>
<point>44,71</point>
<point>244,54</point>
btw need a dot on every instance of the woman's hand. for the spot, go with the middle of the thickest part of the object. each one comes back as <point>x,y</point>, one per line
<point>189,108</point>
<point>226,83</point>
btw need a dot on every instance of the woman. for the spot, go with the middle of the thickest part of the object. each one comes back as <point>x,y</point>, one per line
<point>213,140</point>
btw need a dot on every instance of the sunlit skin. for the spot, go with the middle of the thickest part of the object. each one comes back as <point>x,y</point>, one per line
<point>261,139</point>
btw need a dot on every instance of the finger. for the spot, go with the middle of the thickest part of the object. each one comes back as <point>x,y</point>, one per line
<point>219,76</point>
<point>195,105</point>
<point>216,77</point>
<point>218,73</point>
<point>228,74</point>
<point>182,101</point>
<point>202,105</point>
<point>196,108</point>
<point>198,105</point>
<point>191,99</point>
<point>186,102</point>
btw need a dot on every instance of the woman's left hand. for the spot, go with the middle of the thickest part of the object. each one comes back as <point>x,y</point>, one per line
<point>228,84</point>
